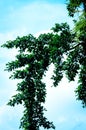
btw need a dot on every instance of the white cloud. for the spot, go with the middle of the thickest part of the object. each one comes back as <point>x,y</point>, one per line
<point>62,119</point>
<point>11,35</point>
<point>10,117</point>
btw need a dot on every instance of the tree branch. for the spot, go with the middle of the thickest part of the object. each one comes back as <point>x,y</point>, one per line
<point>75,46</point>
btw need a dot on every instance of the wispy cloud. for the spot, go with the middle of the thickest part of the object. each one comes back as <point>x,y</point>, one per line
<point>9,117</point>
<point>35,17</point>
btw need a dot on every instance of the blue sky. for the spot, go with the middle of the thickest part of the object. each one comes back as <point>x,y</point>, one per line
<point>21,17</point>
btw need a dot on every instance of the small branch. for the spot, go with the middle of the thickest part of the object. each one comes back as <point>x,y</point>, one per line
<point>75,46</point>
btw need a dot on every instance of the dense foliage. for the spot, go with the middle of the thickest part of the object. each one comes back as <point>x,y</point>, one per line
<point>74,6</point>
<point>33,59</point>
<point>78,56</point>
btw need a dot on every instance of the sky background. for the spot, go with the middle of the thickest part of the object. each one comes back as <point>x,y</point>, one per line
<point>22,17</point>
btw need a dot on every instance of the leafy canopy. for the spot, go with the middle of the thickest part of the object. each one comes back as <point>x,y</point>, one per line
<point>31,63</point>
<point>78,56</point>
<point>33,59</point>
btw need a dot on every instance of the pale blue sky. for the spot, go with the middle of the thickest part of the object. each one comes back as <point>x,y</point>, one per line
<point>21,17</point>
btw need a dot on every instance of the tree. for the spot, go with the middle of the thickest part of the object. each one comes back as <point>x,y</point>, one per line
<point>80,50</point>
<point>35,56</point>
<point>73,6</point>
<point>30,66</point>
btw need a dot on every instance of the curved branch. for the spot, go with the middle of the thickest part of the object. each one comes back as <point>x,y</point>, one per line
<point>75,46</point>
